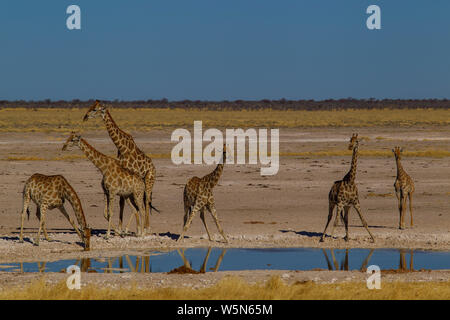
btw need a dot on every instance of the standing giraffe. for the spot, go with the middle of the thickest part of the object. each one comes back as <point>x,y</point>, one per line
<point>344,194</point>
<point>116,181</point>
<point>198,196</point>
<point>404,186</point>
<point>128,153</point>
<point>50,192</point>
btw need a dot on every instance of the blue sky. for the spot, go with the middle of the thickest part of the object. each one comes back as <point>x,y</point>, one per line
<point>224,49</point>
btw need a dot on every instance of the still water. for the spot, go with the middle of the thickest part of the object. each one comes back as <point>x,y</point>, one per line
<point>220,259</point>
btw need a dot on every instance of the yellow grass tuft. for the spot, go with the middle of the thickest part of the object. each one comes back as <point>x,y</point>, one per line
<point>234,288</point>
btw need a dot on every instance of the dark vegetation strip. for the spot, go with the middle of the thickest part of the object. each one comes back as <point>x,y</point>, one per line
<point>281,104</point>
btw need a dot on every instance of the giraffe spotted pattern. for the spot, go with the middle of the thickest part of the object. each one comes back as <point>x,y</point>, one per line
<point>198,197</point>
<point>50,192</point>
<point>117,181</point>
<point>344,194</point>
<point>404,187</point>
<point>129,155</point>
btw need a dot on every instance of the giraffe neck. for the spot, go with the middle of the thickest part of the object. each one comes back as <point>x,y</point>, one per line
<point>119,137</point>
<point>72,197</point>
<point>352,173</point>
<point>97,158</point>
<point>400,170</point>
<point>213,177</point>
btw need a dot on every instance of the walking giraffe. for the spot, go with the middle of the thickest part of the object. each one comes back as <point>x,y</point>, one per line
<point>50,192</point>
<point>198,197</point>
<point>344,194</point>
<point>128,153</point>
<point>404,186</point>
<point>116,181</point>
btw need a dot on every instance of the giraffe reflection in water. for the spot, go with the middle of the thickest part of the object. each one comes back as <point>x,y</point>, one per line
<point>187,265</point>
<point>345,262</point>
<point>141,265</point>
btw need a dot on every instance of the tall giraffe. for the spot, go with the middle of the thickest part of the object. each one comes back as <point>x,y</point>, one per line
<point>198,196</point>
<point>404,187</point>
<point>129,155</point>
<point>50,192</point>
<point>344,194</point>
<point>116,181</point>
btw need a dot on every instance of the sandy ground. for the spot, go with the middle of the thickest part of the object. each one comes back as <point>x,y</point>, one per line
<point>285,210</point>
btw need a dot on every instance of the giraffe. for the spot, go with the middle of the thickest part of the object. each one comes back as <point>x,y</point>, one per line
<point>116,181</point>
<point>404,187</point>
<point>198,197</point>
<point>49,192</point>
<point>344,194</point>
<point>128,153</point>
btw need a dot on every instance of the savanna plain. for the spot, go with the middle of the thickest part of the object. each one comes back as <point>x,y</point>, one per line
<point>288,209</point>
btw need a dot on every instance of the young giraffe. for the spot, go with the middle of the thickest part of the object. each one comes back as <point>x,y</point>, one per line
<point>198,196</point>
<point>49,192</point>
<point>404,186</point>
<point>344,194</point>
<point>129,155</point>
<point>116,181</point>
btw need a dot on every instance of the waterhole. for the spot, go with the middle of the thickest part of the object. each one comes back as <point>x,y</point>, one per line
<point>200,260</point>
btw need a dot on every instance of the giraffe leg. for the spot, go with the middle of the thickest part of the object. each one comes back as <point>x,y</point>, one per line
<point>106,210</point>
<point>132,203</point>
<point>339,211</point>
<point>202,216</point>
<point>402,210</point>
<point>110,213</point>
<point>65,214</point>
<point>121,207</point>
<point>26,203</point>
<point>187,208</point>
<point>138,198</point>
<point>358,209</point>
<point>346,210</point>
<point>410,208</point>
<point>398,194</point>
<point>330,216</point>
<point>197,206</point>
<point>212,209</point>
<point>136,216</point>
<point>45,231</point>
<point>43,211</point>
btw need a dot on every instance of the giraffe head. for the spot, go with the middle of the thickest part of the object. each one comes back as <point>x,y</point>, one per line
<point>353,141</point>
<point>96,110</point>
<point>397,152</point>
<point>73,140</point>
<point>224,153</point>
<point>86,237</point>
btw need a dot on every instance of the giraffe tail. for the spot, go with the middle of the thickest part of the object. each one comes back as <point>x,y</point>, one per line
<point>148,194</point>
<point>153,208</point>
<point>26,194</point>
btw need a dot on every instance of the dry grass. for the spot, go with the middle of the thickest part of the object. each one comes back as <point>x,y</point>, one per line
<point>234,288</point>
<point>64,120</point>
